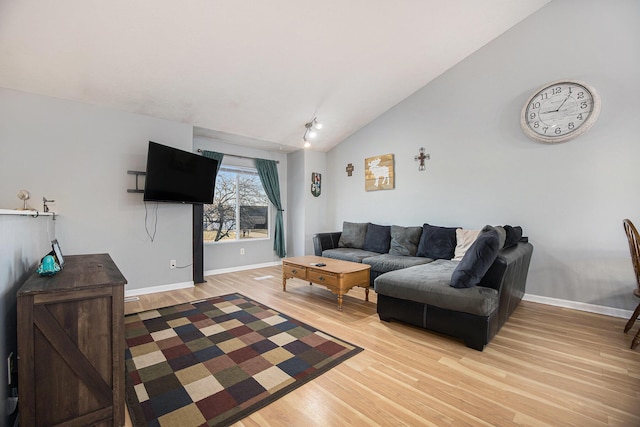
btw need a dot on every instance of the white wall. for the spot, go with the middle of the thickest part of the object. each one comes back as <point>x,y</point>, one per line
<point>79,155</point>
<point>315,213</point>
<point>308,213</point>
<point>226,255</point>
<point>297,240</point>
<point>569,198</point>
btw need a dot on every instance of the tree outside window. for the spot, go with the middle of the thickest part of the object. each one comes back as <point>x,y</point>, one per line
<point>240,208</point>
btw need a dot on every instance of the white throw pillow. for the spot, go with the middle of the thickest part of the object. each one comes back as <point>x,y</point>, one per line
<point>464,239</point>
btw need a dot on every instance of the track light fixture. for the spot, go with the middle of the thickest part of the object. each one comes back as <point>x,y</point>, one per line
<point>310,130</point>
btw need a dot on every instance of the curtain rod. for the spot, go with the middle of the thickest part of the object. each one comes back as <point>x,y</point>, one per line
<point>240,157</point>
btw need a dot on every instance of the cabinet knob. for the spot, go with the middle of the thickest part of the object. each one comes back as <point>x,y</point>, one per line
<point>294,271</point>
<point>321,278</point>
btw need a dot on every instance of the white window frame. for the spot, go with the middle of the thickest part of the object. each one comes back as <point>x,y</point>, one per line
<point>239,170</point>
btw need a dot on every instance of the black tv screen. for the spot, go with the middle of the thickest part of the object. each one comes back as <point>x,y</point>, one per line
<point>178,176</point>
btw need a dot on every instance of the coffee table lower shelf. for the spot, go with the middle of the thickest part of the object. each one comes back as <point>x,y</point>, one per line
<point>338,276</point>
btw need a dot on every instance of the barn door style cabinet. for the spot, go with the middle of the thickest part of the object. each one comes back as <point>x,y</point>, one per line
<point>71,345</point>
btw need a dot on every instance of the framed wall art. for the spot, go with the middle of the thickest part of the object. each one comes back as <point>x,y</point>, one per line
<point>379,173</point>
<point>316,182</point>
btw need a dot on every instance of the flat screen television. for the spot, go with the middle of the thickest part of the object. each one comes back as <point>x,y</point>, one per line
<point>178,176</point>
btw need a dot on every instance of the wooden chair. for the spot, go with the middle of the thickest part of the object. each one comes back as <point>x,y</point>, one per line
<point>634,248</point>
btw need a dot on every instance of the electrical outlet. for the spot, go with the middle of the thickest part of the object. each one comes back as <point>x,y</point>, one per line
<point>172,263</point>
<point>241,251</point>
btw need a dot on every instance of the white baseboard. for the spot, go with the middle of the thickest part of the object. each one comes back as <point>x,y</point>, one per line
<point>156,289</point>
<point>184,285</point>
<point>582,306</point>
<point>241,268</point>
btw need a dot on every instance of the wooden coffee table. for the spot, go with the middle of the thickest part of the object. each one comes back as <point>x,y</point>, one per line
<point>338,276</point>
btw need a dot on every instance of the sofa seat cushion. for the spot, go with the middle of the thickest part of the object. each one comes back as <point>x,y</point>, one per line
<point>430,284</point>
<point>348,254</point>
<point>386,262</point>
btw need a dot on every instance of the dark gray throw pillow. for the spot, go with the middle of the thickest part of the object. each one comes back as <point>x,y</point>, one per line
<point>377,238</point>
<point>478,259</point>
<point>353,234</point>
<point>437,242</point>
<point>513,235</point>
<point>405,240</point>
<point>502,234</point>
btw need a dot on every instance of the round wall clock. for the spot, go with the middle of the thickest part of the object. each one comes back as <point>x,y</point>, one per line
<point>560,111</point>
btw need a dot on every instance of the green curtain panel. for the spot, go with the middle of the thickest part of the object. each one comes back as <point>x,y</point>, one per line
<point>268,172</point>
<point>215,156</point>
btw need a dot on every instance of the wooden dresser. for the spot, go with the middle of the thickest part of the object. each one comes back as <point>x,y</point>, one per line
<point>71,345</point>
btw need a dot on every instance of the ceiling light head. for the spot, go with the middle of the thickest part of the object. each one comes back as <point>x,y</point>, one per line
<point>307,144</point>
<point>310,129</point>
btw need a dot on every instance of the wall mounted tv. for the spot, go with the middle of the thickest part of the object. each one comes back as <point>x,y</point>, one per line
<point>178,176</point>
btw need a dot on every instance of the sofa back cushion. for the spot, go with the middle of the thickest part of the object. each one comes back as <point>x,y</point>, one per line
<point>405,240</point>
<point>437,242</point>
<point>476,262</point>
<point>377,239</point>
<point>353,234</point>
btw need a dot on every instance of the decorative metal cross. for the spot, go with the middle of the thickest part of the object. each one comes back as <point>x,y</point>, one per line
<point>349,169</point>
<point>422,157</point>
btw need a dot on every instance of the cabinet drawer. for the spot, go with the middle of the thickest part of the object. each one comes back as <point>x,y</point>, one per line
<point>294,271</point>
<point>322,277</point>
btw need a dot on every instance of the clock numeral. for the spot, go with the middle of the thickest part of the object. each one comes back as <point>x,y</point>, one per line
<point>535,105</point>
<point>532,116</point>
<point>579,117</point>
<point>545,129</point>
<point>583,105</point>
<point>544,96</point>
<point>536,125</point>
<point>556,90</point>
<point>558,131</point>
<point>571,126</point>
<point>580,95</point>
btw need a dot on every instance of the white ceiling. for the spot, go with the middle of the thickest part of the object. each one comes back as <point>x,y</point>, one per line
<point>259,69</point>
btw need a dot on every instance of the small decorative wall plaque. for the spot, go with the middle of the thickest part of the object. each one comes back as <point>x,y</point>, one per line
<point>316,180</point>
<point>349,169</point>
<point>422,157</point>
<point>379,173</point>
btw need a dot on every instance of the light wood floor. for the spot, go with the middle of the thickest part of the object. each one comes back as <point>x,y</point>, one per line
<point>547,365</point>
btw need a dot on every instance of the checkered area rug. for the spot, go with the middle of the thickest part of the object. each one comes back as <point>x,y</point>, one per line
<point>213,362</point>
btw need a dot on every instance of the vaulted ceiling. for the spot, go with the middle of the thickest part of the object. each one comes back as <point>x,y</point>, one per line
<point>258,69</point>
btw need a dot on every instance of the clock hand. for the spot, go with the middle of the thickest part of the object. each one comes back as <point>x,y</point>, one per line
<point>565,100</point>
<point>557,109</point>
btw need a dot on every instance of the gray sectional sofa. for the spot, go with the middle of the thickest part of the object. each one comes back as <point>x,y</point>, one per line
<point>463,283</point>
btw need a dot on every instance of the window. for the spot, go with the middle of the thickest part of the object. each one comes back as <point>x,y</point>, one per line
<point>240,208</point>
